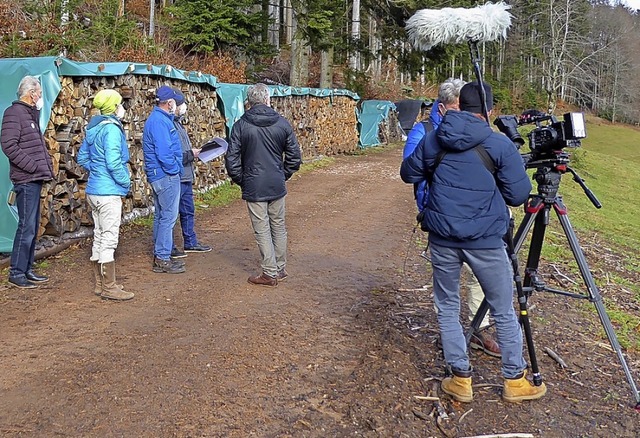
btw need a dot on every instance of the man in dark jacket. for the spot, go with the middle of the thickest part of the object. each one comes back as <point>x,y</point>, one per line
<point>186,207</point>
<point>263,153</point>
<point>30,165</point>
<point>467,217</point>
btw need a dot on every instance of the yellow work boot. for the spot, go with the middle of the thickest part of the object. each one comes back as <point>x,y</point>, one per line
<point>458,386</point>
<point>520,389</point>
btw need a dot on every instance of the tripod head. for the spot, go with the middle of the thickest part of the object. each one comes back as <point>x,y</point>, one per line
<point>549,170</point>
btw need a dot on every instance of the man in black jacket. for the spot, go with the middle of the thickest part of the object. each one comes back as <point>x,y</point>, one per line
<point>30,165</point>
<point>263,153</point>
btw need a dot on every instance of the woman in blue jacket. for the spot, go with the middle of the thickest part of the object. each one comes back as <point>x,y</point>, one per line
<point>104,154</point>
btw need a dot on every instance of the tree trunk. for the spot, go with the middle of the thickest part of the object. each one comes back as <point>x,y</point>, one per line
<point>152,17</point>
<point>326,68</point>
<point>354,58</point>
<point>299,58</point>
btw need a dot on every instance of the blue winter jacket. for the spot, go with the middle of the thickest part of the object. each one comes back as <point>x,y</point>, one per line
<point>104,154</point>
<point>467,205</point>
<point>421,190</point>
<point>161,146</point>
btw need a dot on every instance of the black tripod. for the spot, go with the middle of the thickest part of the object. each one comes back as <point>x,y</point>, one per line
<point>548,174</point>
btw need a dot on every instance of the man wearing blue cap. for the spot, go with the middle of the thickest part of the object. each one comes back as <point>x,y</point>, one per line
<point>163,166</point>
<point>186,207</point>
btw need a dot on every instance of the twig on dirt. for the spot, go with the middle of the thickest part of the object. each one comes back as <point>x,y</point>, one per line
<point>563,276</point>
<point>603,345</point>
<point>555,357</point>
<point>427,398</point>
<point>486,385</point>
<point>419,289</point>
<point>421,415</point>
<point>504,435</point>
<point>576,382</point>
<point>464,415</point>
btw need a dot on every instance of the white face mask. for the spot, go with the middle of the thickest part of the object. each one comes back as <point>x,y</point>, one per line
<point>182,109</point>
<point>120,112</point>
<point>39,104</point>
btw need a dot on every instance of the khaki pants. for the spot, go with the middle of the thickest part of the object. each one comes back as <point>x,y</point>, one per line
<point>107,214</point>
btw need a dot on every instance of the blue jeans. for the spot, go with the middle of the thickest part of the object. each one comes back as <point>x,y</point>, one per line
<point>267,219</point>
<point>166,196</point>
<point>187,214</point>
<point>24,242</point>
<point>493,271</point>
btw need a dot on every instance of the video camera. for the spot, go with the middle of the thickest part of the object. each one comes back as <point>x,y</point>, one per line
<point>546,137</point>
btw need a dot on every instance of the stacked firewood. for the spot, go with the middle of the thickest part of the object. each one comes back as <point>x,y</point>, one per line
<point>323,125</point>
<point>64,208</point>
<point>389,130</point>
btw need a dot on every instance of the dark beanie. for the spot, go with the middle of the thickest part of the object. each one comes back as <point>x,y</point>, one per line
<point>470,98</point>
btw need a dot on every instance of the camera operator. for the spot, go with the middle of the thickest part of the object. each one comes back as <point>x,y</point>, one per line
<point>448,99</point>
<point>475,173</point>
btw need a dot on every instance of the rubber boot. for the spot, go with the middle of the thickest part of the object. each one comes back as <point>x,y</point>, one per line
<point>458,386</point>
<point>520,389</point>
<point>98,278</point>
<point>110,289</point>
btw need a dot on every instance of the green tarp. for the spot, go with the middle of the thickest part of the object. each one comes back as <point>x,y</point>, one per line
<point>370,115</point>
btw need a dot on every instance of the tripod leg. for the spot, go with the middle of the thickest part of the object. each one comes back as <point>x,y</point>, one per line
<point>595,297</point>
<point>534,255</point>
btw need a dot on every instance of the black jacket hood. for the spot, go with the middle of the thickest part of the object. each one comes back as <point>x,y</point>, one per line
<point>261,115</point>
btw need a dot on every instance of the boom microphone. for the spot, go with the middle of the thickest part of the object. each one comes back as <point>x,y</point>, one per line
<point>430,27</point>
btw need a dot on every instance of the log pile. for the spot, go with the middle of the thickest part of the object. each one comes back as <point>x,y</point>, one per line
<point>64,208</point>
<point>323,125</point>
<point>389,130</point>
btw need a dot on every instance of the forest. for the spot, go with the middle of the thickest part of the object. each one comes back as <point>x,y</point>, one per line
<point>583,53</point>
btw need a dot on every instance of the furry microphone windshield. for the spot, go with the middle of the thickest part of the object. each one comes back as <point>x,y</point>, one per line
<point>430,27</point>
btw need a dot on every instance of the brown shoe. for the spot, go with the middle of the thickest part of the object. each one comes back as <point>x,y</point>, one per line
<point>485,341</point>
<point>263,280</point>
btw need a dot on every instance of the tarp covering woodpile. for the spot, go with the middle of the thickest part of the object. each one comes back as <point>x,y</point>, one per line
<point>378,123</point>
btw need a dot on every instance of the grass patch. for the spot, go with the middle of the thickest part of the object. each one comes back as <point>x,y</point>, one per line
<point>144,221</point>
<point>318,163</point>
<point>220,196</point>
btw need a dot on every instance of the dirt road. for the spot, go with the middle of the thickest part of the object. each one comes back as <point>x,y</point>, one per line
<point>338,349</point>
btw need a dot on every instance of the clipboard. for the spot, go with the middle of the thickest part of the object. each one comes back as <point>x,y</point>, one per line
<point>213,149</point>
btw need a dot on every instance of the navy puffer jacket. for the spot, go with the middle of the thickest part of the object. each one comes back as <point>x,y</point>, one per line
<point>263,153</point>
<point>24,146</point>
<point>467,205</point>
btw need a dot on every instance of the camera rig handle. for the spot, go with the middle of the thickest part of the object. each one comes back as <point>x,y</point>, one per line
<point>592,197</point>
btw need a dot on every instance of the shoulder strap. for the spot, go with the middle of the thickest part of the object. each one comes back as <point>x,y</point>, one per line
<point>428,126</point>
<point>480,150</point>
<point>486,159</point>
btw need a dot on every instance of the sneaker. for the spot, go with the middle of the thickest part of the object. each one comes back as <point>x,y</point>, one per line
<point>178,254</point>
<point>167,266</point>
<point>32,276</point>
<point>263,280</point>
<point>22,283</point>
<point>485,341</point>
<point>198,248</point>
<point>282,275</point>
